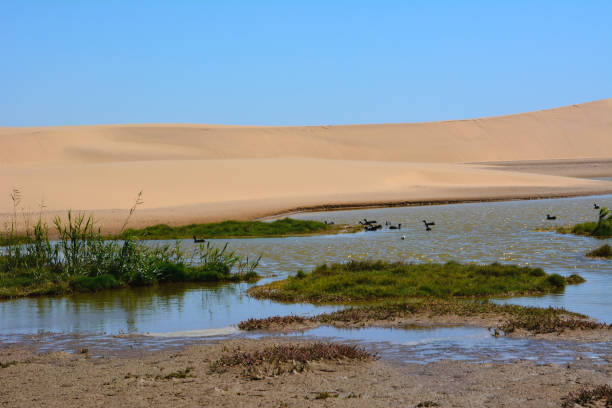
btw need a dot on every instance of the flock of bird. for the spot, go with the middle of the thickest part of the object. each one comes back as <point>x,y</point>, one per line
<point>373,225</point>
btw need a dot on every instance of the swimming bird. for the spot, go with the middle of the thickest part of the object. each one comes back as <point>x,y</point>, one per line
<point>198,240</point>
<point>366,222</point>
<point>397,227</point>
<point>403,237</point>
<point>595,206</point>
<point>551,217</point>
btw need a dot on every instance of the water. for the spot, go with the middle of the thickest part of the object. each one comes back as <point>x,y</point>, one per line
<point>507,232</point>
<point>429,344</point>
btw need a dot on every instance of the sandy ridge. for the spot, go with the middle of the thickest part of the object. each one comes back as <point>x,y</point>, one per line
<point>212,172</point>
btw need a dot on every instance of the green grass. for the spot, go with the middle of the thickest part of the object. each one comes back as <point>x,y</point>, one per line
<point>602,228</point>
<point>604,251</point>
<point>83,261</point>
<point>373,281</point>
<point>590,229</point>
<point>233,229</point>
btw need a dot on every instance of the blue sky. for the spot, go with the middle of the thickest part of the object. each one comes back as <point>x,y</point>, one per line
<point>297,63</point>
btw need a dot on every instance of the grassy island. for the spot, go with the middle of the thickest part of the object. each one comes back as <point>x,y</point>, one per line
<point>237,229</point>
<point>82,260</point>
<point>604,251</point>
<point>602,228</point>
<point>375,281</point>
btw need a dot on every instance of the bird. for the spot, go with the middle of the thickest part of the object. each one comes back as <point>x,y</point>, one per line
<point>429,224</point>
<point>595,206</point>
<point>198,240</point>
<point>403,237</point>
<point>366,222</point>
<point>551,217</point>
<point>397,227</point>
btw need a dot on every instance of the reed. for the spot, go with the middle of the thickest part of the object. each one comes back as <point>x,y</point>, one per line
<point>82,260</point>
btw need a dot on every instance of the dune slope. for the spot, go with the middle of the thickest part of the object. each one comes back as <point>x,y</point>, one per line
<point>210,172</point>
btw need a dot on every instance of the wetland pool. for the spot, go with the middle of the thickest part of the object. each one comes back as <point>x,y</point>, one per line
<point>506,232</point>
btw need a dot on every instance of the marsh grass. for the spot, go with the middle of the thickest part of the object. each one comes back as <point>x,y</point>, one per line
<point>232,229</point>
<point>378,280</point>
<point>82,260</point>
<point>534,319</point>
<point>286,358</point>
<point>604,251</point>
<point>602,228</point>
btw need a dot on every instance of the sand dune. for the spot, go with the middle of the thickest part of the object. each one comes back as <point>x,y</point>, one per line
<point>207,172</point>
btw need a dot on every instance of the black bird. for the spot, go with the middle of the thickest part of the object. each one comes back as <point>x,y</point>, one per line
<point>551,217</point>
<point>429,224</point>
<point>398,227</point>
<point>366,222</point>
<point>595,206</point>
<point>372,227</point>
<point>198,240</point>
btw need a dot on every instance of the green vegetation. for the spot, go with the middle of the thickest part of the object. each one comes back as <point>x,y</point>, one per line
<point>82,260</point>
<point>602,228</point>
<point>235,229</point>
<point>372,281</point>
<point>604,251</point>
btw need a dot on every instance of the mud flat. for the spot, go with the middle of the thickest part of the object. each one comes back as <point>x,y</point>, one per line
<point>183,377</point>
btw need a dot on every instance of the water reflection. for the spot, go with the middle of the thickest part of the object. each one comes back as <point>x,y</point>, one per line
<point>478,232</point>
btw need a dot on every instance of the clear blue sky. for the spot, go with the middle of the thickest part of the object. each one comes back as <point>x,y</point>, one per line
<point>297,62</point>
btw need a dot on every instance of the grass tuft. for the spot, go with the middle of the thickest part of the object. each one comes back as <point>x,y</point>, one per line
<point>604,251</point>
<point>286,358</point>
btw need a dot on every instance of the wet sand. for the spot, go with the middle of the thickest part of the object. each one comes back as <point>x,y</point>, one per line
<point>78,380</point>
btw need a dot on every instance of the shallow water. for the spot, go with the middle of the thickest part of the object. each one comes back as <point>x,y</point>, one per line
<point>477,232</point>
<point>429,344</point>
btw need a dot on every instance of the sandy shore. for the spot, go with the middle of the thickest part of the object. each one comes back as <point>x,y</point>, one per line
<point>199,173</point>
<point>76,380</point>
